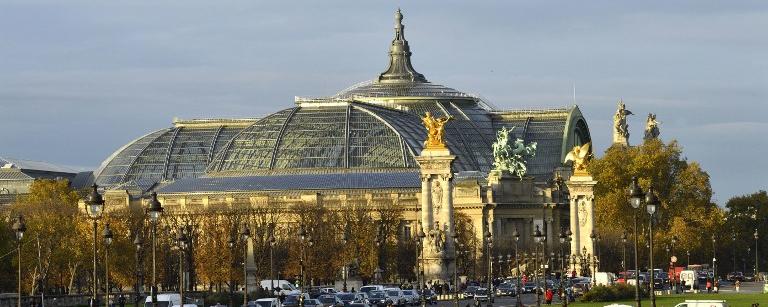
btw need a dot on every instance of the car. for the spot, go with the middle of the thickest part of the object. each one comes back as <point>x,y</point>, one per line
<point>327,290</point>
<point>346,298</point>
<point>293,300</point>
<point>430,297</point>
<point>313,303</point>
<point>164,299</point>
<point>265,302</point>
<point>734,276</point>
<point>481,294</point>
<point>580,288</point>
<point>396,296</point>
<point>369,288</point>
<point>378,298</point>
<point>361,297</point>
<point>470,291</point>
<point>359,304</point>
<point>412,296</point>
<point>330,300</point>
<point>528,287</point>
<point>505,290</point>
<point>279,286</point>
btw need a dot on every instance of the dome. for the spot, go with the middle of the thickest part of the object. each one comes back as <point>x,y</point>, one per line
<point>182,151</point>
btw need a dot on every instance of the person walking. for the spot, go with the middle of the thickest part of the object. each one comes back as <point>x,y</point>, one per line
<point>709,286</point>
<point>548,296</point>
<point>737,284</point>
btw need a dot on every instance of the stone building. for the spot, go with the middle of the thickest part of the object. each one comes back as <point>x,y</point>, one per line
<point>358,147</point>
<point>17,175</point>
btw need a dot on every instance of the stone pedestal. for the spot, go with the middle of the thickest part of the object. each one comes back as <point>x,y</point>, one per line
<point>582,212</point>
<point>438,250</point>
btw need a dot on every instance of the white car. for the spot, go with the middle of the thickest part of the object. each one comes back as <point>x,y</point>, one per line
<point>412,296</point>
<point>396,296</point>
<point>167,299</point>
<point>265,302</point>
<point>481,294</point>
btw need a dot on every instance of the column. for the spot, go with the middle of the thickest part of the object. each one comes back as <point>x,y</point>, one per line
<point>590,225</point>
<point>576,242</point>
<point>426,196</point>
<point>447,209</point>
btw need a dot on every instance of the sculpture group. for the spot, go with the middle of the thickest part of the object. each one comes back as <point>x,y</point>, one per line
<point>435,131</point>
<point>511,157</point>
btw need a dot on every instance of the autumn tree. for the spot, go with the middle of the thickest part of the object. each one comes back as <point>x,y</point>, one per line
<point>686,209</point>
<point>747,215</point>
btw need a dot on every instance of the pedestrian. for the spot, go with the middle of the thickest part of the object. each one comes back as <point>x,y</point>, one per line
<point>682,285</point>
<point>717,286</point>
<point>709,286</point>
<point>737,284</point>
<point>548,296</point>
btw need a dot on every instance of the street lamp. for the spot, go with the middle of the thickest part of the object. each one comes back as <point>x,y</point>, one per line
<point>272,242</point>
<point>563,267</point>
<point>489,241</point>
<point>688,257</point>
<point>245,234</point>
<point>516,235</point>
<point>651,202</point>
<point>624,251</point>
<point>455,236</point>
<point>302,237</point>
<point>155,210</point>
<point>673,260</point>
<point>420,265</point>
<point>107,234</point>
<point>344,272</point>
<point>232,241</point>
<point>538,237</point>
<point>757,278</point>
<point>19,227</point>
<point>182,240</point>
<point>593,236</point>
<point>94,206</point>
<point>137,242</point>
<point>714,260</point>
<point>635,198</point>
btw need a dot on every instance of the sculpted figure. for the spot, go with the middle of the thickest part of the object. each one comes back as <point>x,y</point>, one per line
<point>511,158</point>
<point>438,235</point>
<point>620,120</point>
<point>580,155</point>
<point>651,127</point>
<point>435,130</point>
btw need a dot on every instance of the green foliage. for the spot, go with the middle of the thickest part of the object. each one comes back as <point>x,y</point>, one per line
<point>608,293</point>
<point>686,209</point>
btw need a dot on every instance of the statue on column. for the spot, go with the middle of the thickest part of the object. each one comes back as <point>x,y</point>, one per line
<point>513,157</point>
<point>651,127</point>
<point>620,126</point>
<point>435,131</point>
<point>438,238</point>
<point>580,155</point>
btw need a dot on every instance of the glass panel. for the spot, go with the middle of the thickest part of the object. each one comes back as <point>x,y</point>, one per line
<point>313,138</point>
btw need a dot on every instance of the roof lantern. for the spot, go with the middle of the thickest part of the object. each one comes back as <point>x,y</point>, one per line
<point>400,69</point>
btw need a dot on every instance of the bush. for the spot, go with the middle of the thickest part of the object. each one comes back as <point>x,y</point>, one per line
<point>610,293</point>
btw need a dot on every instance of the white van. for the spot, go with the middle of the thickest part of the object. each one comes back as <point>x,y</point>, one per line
<point>689,277</point>
<point>164,300</point>
<point>605,278</point>
<point>286,288</point>
<point>702,303</point>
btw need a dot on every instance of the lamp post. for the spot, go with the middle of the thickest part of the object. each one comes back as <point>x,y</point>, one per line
<point>272,243</point>
<point>688,257</point>
<point>137,242</point>
<point>455,236</point>
<point>19,227</point>
<point>538,237</point>
<point>714,260</point>
<point>489,242</point>
<point>757,278</point>
<point>624,252</point>
<point>107,234</point>
<point>344,272</point>
<point>182,240</point>
<point>516,235</point>
<point>651,202</point>
<point>155,211</point>
<point>95,209</point>
<point>232,241</point>
<point>673,260</point>
<point>245,234</point>
<point>302,237</point>
<point>593,236</point>
<point>635,198</point>
<point>420,265</point>
<point>564,268</point>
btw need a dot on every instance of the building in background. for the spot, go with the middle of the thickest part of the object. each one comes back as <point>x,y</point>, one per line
<point>17,175</point>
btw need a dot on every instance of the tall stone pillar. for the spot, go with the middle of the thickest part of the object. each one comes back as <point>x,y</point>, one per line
<point>437,213</point>
<point>581,188</point>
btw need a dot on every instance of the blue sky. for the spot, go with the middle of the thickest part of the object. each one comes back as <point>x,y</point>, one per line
<point>78,79</point>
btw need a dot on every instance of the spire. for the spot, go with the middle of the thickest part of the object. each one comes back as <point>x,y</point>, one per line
<point>400,69</point>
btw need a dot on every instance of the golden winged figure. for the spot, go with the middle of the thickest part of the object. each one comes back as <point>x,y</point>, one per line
<point>580,155</point>
<point>435,130</point>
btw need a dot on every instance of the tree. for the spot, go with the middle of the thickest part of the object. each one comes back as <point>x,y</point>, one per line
<point>683,188</point>
<point>746,215</point>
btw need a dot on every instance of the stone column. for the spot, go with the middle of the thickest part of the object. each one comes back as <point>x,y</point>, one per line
<point>426,200</point>
<point>447,208</point>
<point>575,236</point>
<point>581,188</point>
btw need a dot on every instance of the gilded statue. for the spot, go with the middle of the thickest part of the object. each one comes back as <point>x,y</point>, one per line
<point>651,127</point>
<point>580,155</point>
<point>511,157</point>
<point>435,131</point>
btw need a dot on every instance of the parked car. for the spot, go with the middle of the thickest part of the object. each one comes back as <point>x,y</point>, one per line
<point>330,300</point>
<point>470,291</point>
<point>411,296</point>
<point>378,298</point>
<point>481,294</point>
<point>265,302</point>
<point>396,296</point>
<point>430,297</point>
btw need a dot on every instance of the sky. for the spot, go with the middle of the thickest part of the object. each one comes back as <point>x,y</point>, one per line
<point>79,79</point>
